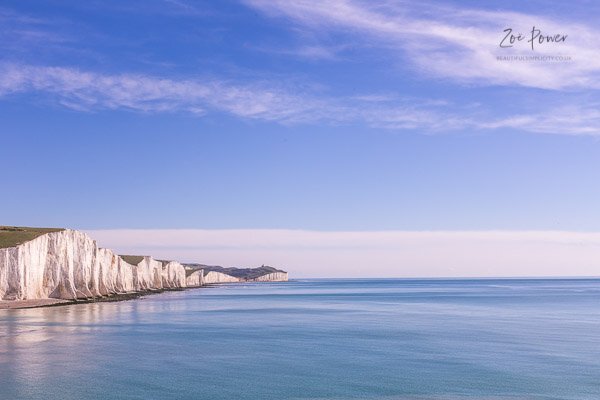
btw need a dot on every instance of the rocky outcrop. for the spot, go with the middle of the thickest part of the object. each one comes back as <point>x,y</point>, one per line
<point>272,277</point>
<point>219,277</point>
<point>195,279</point>
<point>148,275</point>
<point>173,275</point>
<point>114,275</point>
<point>69,265</point>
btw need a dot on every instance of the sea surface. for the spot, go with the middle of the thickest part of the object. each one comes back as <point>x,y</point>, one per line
<point>314,339</point>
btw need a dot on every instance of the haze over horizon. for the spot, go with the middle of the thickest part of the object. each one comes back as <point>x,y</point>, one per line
<point>384,254</point>
<point>338,138</point>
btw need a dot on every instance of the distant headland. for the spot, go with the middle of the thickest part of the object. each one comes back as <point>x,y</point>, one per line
<point>50,266</point>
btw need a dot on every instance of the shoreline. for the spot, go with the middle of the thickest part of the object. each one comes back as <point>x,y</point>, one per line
<point>44,303</point>
<point>112,298</point>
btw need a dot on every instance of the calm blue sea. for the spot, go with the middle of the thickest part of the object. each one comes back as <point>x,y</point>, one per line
<point>314,339</point>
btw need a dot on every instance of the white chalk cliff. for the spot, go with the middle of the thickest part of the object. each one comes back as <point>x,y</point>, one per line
<point>195,279</point>
<point>219,277</point>
<point>68,264</point>
<point>272,277</point>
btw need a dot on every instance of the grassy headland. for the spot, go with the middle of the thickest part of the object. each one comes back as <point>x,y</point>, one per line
<point>11,236</point>
<point>133,260</point>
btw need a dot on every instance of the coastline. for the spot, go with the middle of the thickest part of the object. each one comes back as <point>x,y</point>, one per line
<point>43,303</point>
<point>33,303</point>
<point>64,266</point>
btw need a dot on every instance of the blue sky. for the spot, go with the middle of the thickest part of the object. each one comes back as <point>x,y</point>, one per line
<point>333,115</point>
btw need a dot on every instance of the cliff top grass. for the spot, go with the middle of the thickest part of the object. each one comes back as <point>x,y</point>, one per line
<point>11,236</point>
<point>133,260</point>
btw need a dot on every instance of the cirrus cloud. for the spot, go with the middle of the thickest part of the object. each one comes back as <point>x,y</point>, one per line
<point>455,43</point>
<point>274,101</point>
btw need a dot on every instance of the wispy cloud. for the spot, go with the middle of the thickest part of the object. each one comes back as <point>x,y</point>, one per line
<point>90,91</point>
<point>285,103</point>
<point>443,42</point>
<point>267,101</point>
<point>372,254</point>
<point>187,8</point>
<point>571,120</point>
<point>308,51</point>
<point>460,44</point>
<point>20,32</point>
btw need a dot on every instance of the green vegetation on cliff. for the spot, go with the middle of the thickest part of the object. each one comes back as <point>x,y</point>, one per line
<point>11,236</point>
<point>133,260</point>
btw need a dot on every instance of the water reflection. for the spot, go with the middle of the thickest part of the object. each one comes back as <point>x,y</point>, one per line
<point>313,339</point>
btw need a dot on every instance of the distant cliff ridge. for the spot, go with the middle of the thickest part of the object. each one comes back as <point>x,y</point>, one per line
<point>243,274</point>
<point>42,263</point>
<point>218,277</point>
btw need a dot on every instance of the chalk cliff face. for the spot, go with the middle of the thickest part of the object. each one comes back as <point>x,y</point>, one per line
<point>173,275</point>
<point>195,279</point>
<point>112,274</point>
<point>147,275</point>
<point>69,265</point>
<point>218,277</point>
<point>272,277</point>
